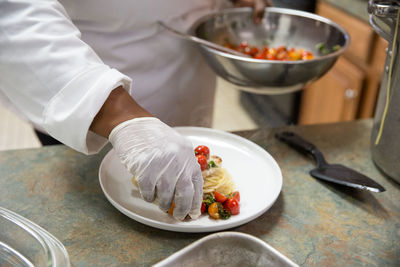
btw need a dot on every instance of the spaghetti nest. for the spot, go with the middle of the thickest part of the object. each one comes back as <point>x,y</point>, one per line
<point>218,180</point>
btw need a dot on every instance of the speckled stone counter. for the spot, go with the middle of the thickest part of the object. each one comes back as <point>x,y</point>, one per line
<point>313,223</point>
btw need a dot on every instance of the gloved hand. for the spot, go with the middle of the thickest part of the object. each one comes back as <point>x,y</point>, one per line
<point>258,6</point>
<point>162,162</point>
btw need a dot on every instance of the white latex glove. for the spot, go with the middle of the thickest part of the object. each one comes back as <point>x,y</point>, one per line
<point>162,162</point>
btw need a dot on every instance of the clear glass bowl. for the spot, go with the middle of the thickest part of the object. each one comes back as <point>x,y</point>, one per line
<point>24,243</point>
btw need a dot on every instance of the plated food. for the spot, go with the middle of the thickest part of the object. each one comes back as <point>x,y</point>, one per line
<point>272,53</point>
<point>258,178</point>
<point>220,200</point>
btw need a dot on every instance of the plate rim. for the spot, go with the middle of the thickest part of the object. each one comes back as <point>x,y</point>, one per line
<point>190,228</point>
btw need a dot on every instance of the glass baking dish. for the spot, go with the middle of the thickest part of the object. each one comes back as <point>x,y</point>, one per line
<point>24,243</point>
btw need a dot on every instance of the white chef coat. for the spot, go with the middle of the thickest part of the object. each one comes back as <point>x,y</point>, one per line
<point>59,61</point>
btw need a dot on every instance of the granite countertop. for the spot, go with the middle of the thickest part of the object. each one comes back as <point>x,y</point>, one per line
<point>314,223</point>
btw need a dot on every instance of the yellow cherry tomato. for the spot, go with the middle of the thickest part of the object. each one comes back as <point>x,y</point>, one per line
<point>213,210</point>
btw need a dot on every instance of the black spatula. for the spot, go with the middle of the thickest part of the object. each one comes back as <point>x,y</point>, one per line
<point>335,173</point>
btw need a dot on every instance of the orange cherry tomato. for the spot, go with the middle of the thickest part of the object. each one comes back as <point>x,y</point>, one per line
<point>294,55</point>
<point>220,197</point>
<point>202,160</point>
<point>213,210</point>
<point>281,55</point>
<point>272,51</point>
<point>271,57</point>
<point>171,209</point>
<point>232,205</point>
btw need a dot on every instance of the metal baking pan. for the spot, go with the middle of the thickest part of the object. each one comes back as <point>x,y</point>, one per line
<point>227,249</point>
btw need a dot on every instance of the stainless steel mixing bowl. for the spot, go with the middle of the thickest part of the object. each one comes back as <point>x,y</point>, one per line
<point>280,26</point>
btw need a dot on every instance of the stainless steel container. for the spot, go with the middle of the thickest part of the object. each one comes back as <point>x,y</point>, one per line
<point>280,26</point>
<point>385,141</point>
<point>227,249</point>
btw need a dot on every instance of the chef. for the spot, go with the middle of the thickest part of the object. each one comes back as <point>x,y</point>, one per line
<point>88,72</point>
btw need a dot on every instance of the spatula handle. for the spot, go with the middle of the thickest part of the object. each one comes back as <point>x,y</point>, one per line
<point>302,146</point>
<point>296,142</point>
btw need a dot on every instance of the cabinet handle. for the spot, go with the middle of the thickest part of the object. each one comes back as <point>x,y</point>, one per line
<point>350,93</point>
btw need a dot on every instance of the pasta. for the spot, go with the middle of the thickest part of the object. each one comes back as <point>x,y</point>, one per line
<point>220,200</point>
<point>219,180</point>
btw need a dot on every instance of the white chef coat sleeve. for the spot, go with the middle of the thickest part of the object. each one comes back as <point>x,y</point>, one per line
<point>51,75</point>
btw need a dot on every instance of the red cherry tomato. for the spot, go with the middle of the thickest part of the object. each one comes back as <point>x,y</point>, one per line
<point>202,160</point>
<point>202,150</point>
<point>232,205</point>
<point>260,55</point>
<point>235,195</point>
<point>203,207</point>
<point>243,44</point>
<point>219,197</point>
<point>253,50</point>
<point>281,49</point>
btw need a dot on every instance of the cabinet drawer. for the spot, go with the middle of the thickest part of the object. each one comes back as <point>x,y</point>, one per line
<point>361,33</point>
<point>335,97</point>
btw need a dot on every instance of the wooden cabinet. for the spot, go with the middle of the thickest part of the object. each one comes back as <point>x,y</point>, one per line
<point>335,97</point>
<point>349,90</point>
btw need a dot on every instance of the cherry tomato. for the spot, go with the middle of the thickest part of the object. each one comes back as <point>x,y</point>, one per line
<point>272,53</point>
<point>202,160</point>
<point>203,207</point>
<point>231,46</point>
<point>220,197</point>
<point>232,205</point>
<point>253,50</point>
<point>307,55</point>
<point>294,55</point>
<point>281,49</point>
<point>235,195</point>
<point>271,57</point>
<point>171,209</point>
<point>247,50</point>
<point>281,55</point>
<point>202,150</point>
<point>243,44</point>
<point>213,210</point>
<point>261,55</point>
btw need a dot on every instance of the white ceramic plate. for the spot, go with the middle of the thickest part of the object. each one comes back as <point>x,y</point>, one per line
<point>255,172</point>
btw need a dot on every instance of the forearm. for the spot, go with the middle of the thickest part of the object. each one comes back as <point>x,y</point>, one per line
<point>119,107</point>
<point>51,75</point>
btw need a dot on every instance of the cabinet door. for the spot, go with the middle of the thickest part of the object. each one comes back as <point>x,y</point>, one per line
<point>361,33</point>
<point>333,98</point>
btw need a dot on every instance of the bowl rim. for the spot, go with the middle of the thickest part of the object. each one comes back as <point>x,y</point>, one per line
<point>286,11</point>
<point>55,252</point>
